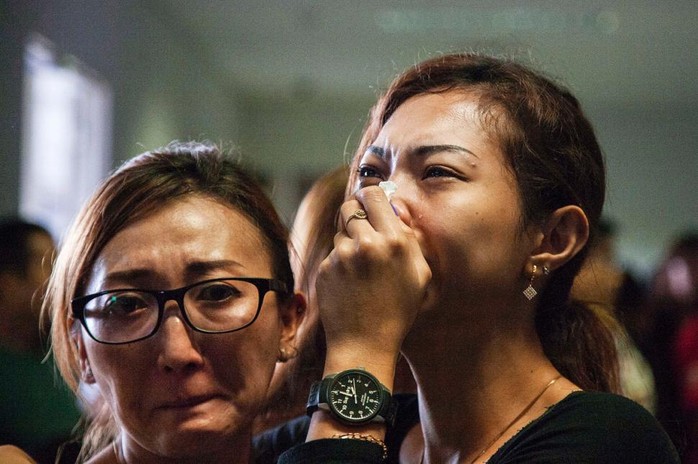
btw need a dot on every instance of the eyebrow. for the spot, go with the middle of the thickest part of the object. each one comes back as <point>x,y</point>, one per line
<point>128,275</point>
<point>192,270</point>
<point>202,267</point>
<point>424,150</point>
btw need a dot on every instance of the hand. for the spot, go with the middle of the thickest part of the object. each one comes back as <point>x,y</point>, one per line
<point>371,286</point>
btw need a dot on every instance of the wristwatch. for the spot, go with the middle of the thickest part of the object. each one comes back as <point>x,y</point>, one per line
<point>353,397</point>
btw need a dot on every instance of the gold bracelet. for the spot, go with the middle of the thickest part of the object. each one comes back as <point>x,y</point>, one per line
<point>363,437</point>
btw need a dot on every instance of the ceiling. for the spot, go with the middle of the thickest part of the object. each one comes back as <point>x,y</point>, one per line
<point>606,51</point>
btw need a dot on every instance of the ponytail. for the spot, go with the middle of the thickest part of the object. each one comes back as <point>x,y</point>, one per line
<point>579,339</point>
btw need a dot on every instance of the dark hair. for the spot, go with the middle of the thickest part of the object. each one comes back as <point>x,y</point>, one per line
<point>293,380</point>
<point>139,187</point>
<point>324,199</point>
<point>14,244</point>
<point>556,160</point>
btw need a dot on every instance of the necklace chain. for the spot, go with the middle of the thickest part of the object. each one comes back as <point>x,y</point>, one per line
<point>510,424</point>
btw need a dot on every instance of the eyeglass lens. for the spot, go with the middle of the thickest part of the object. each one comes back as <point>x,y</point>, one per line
<point>127,315</point>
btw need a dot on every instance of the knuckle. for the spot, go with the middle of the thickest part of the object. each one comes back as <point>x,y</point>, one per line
<point>372,193</point>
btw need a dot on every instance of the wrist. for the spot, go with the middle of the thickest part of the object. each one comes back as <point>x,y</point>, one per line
<point>350,401</point>
<point>381,366</point>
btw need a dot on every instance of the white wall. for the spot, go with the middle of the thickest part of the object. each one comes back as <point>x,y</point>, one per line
<point>652,158</point>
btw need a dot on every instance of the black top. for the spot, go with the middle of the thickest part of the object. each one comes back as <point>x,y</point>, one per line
<point>584,427</point>
<point>269,445</point>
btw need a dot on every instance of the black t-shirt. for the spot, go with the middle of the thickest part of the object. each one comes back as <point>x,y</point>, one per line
<point>588,427</point>
<point>584,427</point>
<point>269,445</point>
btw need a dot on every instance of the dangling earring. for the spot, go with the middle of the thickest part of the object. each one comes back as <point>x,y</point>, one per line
<point>530,292</point>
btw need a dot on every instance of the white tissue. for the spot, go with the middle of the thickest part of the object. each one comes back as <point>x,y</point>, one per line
<point>389,187</point>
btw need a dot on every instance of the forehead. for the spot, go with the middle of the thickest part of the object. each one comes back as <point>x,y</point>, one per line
<point>451,118</point>
<point>444,115</point>
<point>183,231</point>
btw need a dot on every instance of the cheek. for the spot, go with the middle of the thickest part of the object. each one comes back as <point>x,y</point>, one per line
<point>479,236</point>
<point>246,362</point>
<point>122,377</point>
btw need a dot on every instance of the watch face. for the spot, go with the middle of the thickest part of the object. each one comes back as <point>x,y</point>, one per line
<point>355,396</point>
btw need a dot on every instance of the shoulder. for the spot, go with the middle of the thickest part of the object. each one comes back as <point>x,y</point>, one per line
<point>598,406</point>
<point>591,427</point>
<point>12,455</point>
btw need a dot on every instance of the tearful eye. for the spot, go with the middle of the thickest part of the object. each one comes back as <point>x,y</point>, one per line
<point>123,304</point>
<point>218,292</point>
<point>438,171</point>
<point>368,171</point>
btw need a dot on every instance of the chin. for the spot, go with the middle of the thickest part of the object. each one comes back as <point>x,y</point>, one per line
<point>202,434</point>
<point>199,441</point>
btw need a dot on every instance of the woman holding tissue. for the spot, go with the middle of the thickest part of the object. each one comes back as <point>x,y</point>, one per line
<point>500,183</point>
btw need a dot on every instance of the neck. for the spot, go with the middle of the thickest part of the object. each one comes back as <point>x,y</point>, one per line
<point>129,453</point>
<point>487,375</point>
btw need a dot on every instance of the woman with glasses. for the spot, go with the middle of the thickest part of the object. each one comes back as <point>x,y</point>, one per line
<point>493,182</point>
<point>172,298</point>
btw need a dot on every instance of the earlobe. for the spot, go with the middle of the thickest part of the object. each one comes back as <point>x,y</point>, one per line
<point>291,317</point>
<point>87,376</point>
<point>565,233</point>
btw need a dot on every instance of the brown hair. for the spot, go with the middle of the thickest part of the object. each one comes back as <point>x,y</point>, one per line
<point>555,157</point>
<point>139,187</point>
<point>293,381</point>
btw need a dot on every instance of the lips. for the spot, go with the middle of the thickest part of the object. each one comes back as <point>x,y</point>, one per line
<point>188,401</point>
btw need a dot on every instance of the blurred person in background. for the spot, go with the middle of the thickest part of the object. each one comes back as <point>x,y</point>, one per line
<point>672,340</point>
<point>608,288</point>
<point>37,412</point>
<point>311,239</point>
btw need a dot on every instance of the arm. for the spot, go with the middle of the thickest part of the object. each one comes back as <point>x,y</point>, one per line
<point>369,291</point>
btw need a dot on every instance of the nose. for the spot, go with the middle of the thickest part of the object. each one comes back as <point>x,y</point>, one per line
<point>403,200</point>
<point>177,344</point>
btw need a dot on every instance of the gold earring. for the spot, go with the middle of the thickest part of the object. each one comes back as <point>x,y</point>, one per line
<point>530,292</point>
<point>286,354</point>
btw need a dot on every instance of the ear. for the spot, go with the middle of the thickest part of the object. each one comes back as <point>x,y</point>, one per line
<point>563,235</point>
<point>85,368</point>
<point>291,315</point>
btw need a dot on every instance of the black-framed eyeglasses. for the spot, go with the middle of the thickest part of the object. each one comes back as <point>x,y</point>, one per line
<point>211,306</point>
